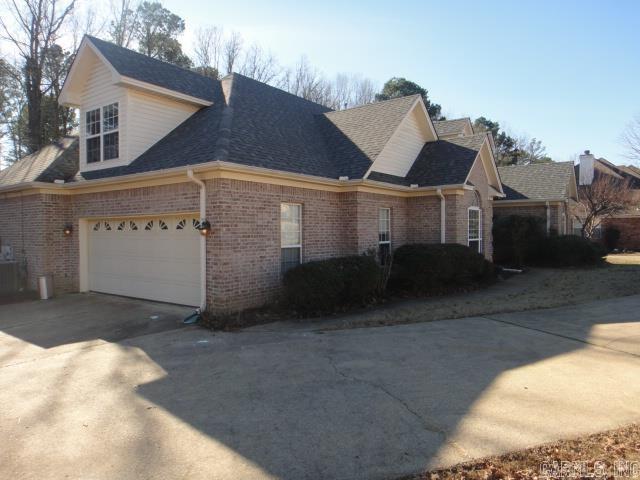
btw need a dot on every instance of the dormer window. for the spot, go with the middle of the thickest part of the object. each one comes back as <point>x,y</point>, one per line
<point>101,127</point>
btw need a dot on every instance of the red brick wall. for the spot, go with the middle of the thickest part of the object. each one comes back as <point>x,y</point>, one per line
<point>22,221</point>
<point>243,254</point>
<point>629,231</point>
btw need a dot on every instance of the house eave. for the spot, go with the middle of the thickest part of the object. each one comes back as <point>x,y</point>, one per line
<point>529,201</point>
<point>219,169</point>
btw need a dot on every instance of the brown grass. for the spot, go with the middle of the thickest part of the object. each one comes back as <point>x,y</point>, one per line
<point>534,289</point>
<point>622,444</point>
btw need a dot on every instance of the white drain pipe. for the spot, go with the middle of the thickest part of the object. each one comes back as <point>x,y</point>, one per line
<point>443,216</point>
<point>203,240</point>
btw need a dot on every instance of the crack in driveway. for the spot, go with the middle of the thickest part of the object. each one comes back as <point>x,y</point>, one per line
<point>427,424</point>
<point>566,337</point>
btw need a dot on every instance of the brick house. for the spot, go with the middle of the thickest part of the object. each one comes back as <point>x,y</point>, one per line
<point>544,190</point>
<point>163,152</point>
<point>588,170</point>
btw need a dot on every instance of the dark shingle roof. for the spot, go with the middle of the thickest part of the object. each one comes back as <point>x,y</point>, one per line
<point>258,125</point>
<point>251,123</point>
<point>446,162</point>
<point>254,124</point>
<point>540,181</point>
<point>150,70</point>
<point>451,127</point>
<point>58,161</point>
<point>356,136</point>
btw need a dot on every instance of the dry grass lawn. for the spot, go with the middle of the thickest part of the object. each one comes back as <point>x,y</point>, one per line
<point>534,289</point>
<point>604,453</point>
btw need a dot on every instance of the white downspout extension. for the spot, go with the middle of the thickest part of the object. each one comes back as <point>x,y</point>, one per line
<point>443,219</point>
<point>203,240</point>
<point>548,218</point>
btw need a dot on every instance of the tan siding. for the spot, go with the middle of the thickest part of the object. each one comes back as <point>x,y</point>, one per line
<point>99,91</point>
<point>398,155</point>
<point>151,118</point>
<point>144,118</point>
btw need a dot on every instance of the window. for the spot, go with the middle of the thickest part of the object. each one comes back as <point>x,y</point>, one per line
<point>475,229</point>
<point>93,150</point>
<point>102,136</point>
<point>111,142</point>
<point>290,236</point>
<point>384,235</point>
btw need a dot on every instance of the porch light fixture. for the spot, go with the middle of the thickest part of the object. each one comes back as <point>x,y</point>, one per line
<point>204,228</point>
<point>67,230</point>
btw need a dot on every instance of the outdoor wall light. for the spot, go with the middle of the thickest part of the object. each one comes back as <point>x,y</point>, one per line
<point>68,230</point>
<point>205,228</point>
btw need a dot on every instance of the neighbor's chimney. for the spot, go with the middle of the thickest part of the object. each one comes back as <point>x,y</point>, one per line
<point>587,161</point>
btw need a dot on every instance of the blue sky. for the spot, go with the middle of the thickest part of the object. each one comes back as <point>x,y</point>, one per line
<point>566,72</point>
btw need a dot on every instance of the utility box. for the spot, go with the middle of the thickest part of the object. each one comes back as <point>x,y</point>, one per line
<point>45,287</point>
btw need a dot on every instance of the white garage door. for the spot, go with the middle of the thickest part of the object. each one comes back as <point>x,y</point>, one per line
<point>152,258</point>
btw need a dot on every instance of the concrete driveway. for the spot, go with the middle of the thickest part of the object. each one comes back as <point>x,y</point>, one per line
<point>297,403</point>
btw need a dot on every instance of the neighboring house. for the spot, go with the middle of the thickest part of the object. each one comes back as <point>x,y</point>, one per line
<point>281,180</point>
<point>628,223</point>
<point>544,190</point>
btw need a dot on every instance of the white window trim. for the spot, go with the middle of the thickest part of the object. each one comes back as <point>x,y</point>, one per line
<point>299,245</point>
<point>105,133</point>
<point>384,242</point>
<point>112,162</point>
<point>480,232</point>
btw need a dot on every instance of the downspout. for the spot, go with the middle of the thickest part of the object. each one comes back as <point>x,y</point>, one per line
<point>203,240</point>
<point>548,218</point>
<point>443,213</point>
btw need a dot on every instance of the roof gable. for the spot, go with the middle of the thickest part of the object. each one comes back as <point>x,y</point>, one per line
<point>135,70</point>
<point>446,162</point>
<point>454,128</point>
<point>356,136</point>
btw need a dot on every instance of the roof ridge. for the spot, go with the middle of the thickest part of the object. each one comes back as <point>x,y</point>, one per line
<point>91,37</point>
<point>373,103</point>
<point>453,120</point>
<point>236,74</point>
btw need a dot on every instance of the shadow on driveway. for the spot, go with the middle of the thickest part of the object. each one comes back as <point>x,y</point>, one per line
<point>85,317</point>
<point>369,403</point>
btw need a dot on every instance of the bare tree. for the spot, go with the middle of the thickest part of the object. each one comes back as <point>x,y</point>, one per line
<point>124,22</point>
<point>259,65</point>
<point>605,197</point>
<point>631,140</point>
<point>232,49</point>
<point>38,24</point>
<point>343,87</point>
<point>85,21</point>
<point>208,47</point>
<point>307,82</point>
<point>364,92</point>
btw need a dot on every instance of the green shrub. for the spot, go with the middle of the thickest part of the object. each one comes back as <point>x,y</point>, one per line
<point>611,237</point>
<point>328,285</point>
<point>514,238</point>
<point>424,268</point>
<point>567,251</point>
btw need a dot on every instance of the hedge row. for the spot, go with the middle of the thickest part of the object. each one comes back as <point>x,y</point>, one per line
<point>329,285</point>
<point>521,240</point>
